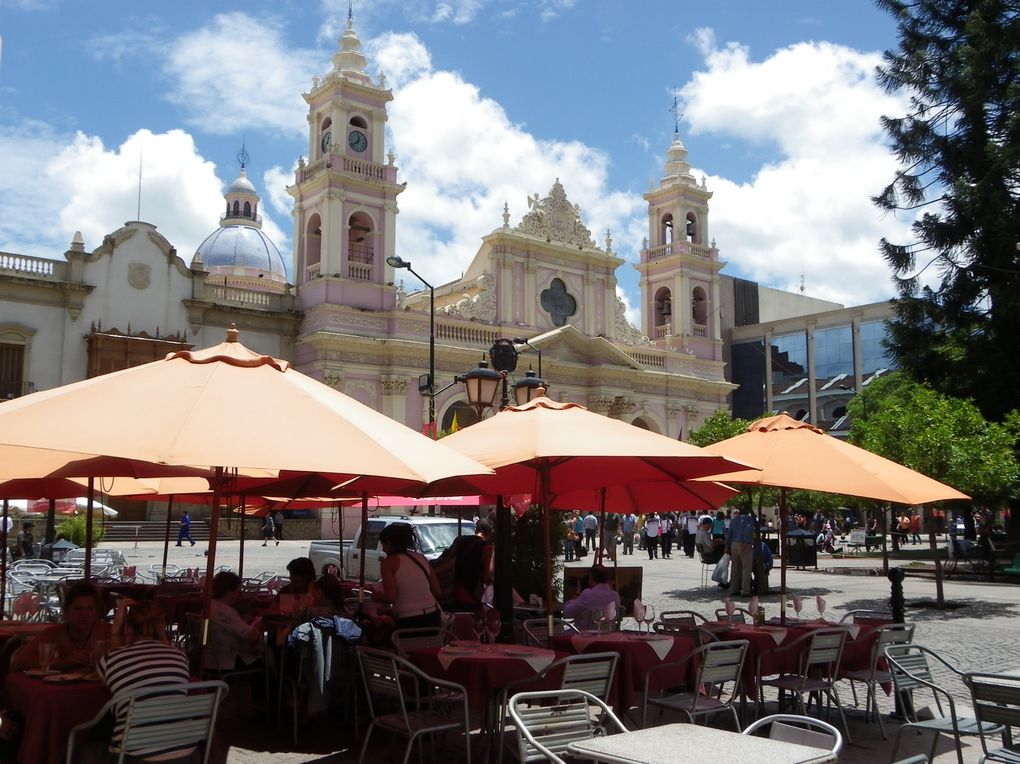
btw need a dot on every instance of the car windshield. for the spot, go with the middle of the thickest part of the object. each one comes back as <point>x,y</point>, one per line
<point>437,538</point>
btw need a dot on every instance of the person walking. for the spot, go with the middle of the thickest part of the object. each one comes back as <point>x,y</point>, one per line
<point>739,546</point>
<point>184,529</point>
<point>915,527</point>
<point>689,530</point>
<point>609,531</point>
<point>569,538</point>
<point>268,529</point>
<point>668,531</point>
<point>628,526</point>
<point>653,527</point>
<point>578,535</point>
<point>24,542</point>
<point>278,529</point>
<point>591,527</point>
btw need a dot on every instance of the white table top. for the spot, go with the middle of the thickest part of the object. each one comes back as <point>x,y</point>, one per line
<point>673,743</point>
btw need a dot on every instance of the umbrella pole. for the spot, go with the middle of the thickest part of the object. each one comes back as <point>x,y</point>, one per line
<point>340,538</point>
<point>3,563</point>
<point>547,538</point>
<point>51,521</point>
<point>240,549</point>
<point>361,556</point>
<point>602,526</point>
<point>217,488</point>
<point>782,560</point>
<point>503,586</point>
<point>166,535</point>
<point>886,530</point>
<point>88,528</point>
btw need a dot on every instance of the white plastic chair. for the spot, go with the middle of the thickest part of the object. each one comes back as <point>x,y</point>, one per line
<point>545,731</point>
<point>792,728</point>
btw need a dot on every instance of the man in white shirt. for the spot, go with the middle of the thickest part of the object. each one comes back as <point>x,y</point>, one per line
<point>597,596</point>
<point>591,527</point>
<point>653,527</point>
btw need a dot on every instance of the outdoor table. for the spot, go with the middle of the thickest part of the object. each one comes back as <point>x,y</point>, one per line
<point>639,653</point>
<point>676,743</point>
<point>50,711</point>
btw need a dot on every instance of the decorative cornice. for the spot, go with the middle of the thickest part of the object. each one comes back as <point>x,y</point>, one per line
<point>334,380</point>
<point>600,404</point>
<point>556,219</point>
<point>394,385</point>
<point>621,405</point>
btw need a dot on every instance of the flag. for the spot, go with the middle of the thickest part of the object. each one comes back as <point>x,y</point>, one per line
<point>453,426</point>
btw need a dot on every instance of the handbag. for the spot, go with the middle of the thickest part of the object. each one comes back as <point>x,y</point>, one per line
<point>721,574</point>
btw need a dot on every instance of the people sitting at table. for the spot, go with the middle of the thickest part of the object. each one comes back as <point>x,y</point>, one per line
<point>302,576</point>
<point>327,598</point>
<point>146,659</point>
<point>233,642</point>
<point>763,562</point>
<point>597,596</point>
<point>410,584</point>
<point>73,639</point>
<point>705,542</point>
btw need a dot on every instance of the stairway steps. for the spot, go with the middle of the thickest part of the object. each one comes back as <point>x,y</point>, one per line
<point>155,530</point>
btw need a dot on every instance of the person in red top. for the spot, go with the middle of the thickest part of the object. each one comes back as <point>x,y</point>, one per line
<point>915,527</point>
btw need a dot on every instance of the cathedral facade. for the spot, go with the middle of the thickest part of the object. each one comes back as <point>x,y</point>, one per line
<point>340,310</point>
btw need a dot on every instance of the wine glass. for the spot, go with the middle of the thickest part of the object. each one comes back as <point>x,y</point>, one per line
<point>493,624</point>
<point>798,605</point>
<point>638,613</point>
<point>610,616</point>
<point>649,617</point>
<point>730,607</point>
<point>598,617</point>
<point>47,652</point>
<point>820,602</point>
<point>478,624</point>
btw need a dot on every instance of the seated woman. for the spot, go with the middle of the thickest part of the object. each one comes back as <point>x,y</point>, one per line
<point>711,548</point>
<point>327,599</point>
<point>410,584</point>
<point>233,642</point>
<point>73,639</point>
<point>145,660</point>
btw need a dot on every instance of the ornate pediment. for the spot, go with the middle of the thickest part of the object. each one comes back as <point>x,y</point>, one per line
<point>480,307</point>
<point>556,219</point>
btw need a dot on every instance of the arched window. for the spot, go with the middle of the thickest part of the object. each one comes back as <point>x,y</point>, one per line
<point>666,230</point>
<point>313,247</point>
<point>663,307</point>
<point>839,411</point>
<point>237,209</point>
<point>691,230</point>
<point>460,412</point>
<point>247,209</point>
<point>360,247</point>
<point>699,306</point>
<point>359,122</point>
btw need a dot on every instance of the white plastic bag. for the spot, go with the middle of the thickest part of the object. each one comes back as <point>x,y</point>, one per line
<point>721,574</point>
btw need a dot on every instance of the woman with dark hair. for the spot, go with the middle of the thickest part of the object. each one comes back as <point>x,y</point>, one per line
<point>410,584</point>
<point>72,641</point>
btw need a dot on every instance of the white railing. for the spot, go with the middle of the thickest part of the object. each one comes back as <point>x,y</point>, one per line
<point>37,266</point>
<point>359,271</point>
<point>662,331</point>
<point>699,330</point>
<point>652,360</point>
<point>312,271</point>
<point>680,248</point>
<point>465,334</point>
<point>364,168</point>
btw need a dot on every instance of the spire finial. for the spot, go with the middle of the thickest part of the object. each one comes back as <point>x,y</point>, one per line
<point>675,111</point>
<point>350,11</point>
<point>242,155</point>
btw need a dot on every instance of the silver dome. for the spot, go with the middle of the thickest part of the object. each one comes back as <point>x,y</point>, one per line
<point>241,185</point>
<point>243,250</point>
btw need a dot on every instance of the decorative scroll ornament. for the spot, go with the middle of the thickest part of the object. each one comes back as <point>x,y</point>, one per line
<point>556,219</point>
<point>626,333</point>
<point>481,307</point>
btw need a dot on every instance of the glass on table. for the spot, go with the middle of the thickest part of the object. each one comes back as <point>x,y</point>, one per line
<point>493,625</point>
<point>47,655</point>
<point>649,616</point>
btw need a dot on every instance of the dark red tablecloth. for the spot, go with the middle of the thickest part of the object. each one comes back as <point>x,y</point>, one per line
<point>50,711</point>
<point>482,676</point>
<point>637,658</point>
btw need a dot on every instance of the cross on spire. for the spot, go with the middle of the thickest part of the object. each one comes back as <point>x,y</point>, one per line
<point>676,111</point>
<point>242,155</point>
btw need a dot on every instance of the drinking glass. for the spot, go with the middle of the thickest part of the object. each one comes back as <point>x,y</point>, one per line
<point>638,613</point>
<point>610,616</point>
<point>820,602</point>
<point>798,605</point>
<point>47,652</point>
<point>493,624</point>
<point>598,617</point>
<point>478,623</point>
<point>730,607</point>
<point>649,616</point>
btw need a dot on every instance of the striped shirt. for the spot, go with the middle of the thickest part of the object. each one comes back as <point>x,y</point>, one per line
<point>146,663</point>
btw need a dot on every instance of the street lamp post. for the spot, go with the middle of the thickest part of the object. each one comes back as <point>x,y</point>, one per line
<point>524,341</point>
<point>864,398</point>
<point>399,262</point>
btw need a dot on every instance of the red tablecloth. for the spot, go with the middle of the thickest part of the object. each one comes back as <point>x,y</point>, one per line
<point>28,629</point>
<point>50,711</point>
<point>637,658</point>
<point>483,676</point>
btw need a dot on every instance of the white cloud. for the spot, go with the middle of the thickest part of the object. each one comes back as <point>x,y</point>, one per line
<point>402,57</point>
<point>808,211</point>
<point>24,149</point>
<point>237,72</point>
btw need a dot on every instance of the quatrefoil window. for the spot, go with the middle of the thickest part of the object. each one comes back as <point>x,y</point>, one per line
<point>558,303</point>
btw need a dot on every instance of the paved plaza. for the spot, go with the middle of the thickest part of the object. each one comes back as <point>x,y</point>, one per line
<point>980,634</point>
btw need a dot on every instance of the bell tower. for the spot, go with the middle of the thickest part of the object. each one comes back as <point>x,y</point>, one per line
<point>345,193</point>
<point>679,267</point>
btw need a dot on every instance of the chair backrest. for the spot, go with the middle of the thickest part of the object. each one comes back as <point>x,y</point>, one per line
<point>739,615</point>
<point>825,649</point>
<point>722,663</point>
<point>169,715</point>
<point>996,700</point>
<point>803,730</point>
<point>591,673</point>
<point>681,618</point>
<point>380,672</point>
<point>857,616</point>
<point>920,758</point>
<point>405,640</point>
<point>910,667</point>
<point>889,634</point>
<point>544,731</point>
<point>536,630</point>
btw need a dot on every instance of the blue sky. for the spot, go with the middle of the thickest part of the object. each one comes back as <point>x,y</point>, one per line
<point>780,113</point>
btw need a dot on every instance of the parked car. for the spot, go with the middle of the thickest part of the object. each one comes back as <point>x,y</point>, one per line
<point>433,536</point>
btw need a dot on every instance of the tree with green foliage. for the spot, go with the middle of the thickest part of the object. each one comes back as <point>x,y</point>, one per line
<point>959,149</point>
<point>73,529</point>
<point>530,562</point>
<point>945,438</point>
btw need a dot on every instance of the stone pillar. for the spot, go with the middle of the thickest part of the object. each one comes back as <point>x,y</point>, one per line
<point>394,399</point>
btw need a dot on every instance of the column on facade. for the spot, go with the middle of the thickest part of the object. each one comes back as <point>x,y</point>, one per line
<point>714,319</point>
<point>681,316</point>
<point>387,247</point>
<point>672,413</point>
<point>530,290</point>
<point>812,395</point>
<point>588,282</point>
<point>505,286</point>
<point>313,138</point>
<point>770,404</point>
<point>394,398</point>
<point>333,226</point>
<point>855,328</point>
<point>620,407</point>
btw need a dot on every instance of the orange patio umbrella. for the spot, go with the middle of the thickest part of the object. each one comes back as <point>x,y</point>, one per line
<point>797,455</point>
<point>227,406</point>
<point>547,448</point>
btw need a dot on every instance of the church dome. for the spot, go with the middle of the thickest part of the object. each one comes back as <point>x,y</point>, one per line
<point>242,250</point>
<point>241,185</point>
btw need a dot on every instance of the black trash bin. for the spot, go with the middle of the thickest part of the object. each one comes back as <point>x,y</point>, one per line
<point>801,549</point>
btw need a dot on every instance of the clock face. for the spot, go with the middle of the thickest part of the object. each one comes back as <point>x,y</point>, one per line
<point>327,142</point>
<point>357,140</point>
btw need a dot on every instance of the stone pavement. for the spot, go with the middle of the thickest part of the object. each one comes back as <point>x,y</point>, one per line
<point>979,634</point>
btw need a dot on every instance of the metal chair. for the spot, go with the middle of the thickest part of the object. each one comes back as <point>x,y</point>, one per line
<point>996,700</point>
<point>818,656</point>
<point>858,616</point>
<point>544,731</point>
<point>414,716</point>
<point>536,630</point>
<point>876,674</point>
<point>740,615</point>
<point>792,728</point>
<point>172,715</point>
<point>717,665</point>
<point>685,623</point>
<point>405,640</point>
<point>911,672</point>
